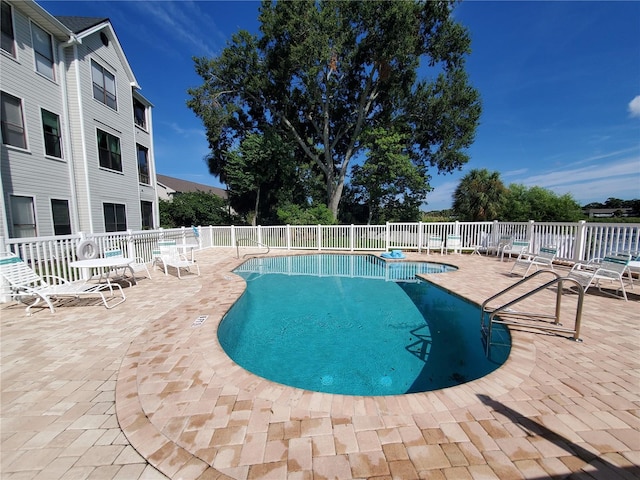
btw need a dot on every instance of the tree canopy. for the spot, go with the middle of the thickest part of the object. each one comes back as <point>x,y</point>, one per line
<point>481,196</point>
<point>322,74</point>
<point>193,208</point>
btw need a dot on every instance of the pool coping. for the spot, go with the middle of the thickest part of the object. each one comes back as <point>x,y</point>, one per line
<point>149,395</point>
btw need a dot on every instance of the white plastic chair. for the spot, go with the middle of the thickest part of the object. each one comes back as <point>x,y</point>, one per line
<point>611,268</point>
<point>26,284</point>
<point>454,242</point>
<point>434,242</point>
<point>157,254</point>
<point>138,264</point>
<point>517,247</point>
<point>504,241</point>
<point>544,259</point>
<point>170,257</point>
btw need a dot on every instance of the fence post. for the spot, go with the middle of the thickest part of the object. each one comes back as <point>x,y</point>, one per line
<point>420,237</point>
<point>233,236</point>
<point>530,231</point>
<point>387,237</point>
<point>580,243</point>
<point>319,234</point>
<point>352,237</point>
<point>288,231</point>
<point>131,245</point>
<point>259,235</point>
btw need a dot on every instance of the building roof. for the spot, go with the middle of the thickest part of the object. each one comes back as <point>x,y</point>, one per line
<point>80,24</point>
<point>183,186</point>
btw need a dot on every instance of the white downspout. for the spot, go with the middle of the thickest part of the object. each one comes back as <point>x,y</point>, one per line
<point>67,130</point>
<point>83,136</point>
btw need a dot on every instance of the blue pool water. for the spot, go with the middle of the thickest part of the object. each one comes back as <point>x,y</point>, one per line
<point>355,325</point>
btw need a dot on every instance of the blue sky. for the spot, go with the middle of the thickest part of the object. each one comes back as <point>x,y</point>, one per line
<point>560,87</point>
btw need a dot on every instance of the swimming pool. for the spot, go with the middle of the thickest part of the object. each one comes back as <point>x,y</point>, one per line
<point>354,325</point>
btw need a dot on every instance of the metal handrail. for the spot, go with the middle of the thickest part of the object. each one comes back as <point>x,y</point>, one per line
<point>252,241</point>
<point>505,311</point>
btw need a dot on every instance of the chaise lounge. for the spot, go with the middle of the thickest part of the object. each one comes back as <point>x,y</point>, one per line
<point>27,287</point>
<point>611,268</point>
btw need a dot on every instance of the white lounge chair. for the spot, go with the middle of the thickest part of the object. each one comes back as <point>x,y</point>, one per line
<point>611,268</point>
<point>170,257</point>
<point>543,259</point>
<point>497,247</point>
<point>516,247</point>
<point>27,287</point>
<point>454,242</point>
<point>157,253</point>
<point>434,242</point>
<point>138,265</point>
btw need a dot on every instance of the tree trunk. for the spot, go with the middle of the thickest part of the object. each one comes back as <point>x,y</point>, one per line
<point>255,212</point>
<point>334,193</point>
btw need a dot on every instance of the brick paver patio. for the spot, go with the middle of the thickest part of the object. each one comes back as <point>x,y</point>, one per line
<point>139,392</point>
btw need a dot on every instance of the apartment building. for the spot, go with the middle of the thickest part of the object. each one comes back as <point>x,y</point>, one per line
<point>77,138</point>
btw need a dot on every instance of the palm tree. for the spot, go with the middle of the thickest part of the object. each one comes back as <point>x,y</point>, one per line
<point>479,196</point>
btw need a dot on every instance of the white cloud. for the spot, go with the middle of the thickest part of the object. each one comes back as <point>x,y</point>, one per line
<point>183,21</point>
<point>634,107</point>
<point>514,173</point>
<point>442,196</point>
<point>628,168</point>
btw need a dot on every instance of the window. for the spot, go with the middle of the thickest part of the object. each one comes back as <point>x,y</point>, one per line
<point>109,151</point>
<point>23,217</point>
<point>139,114</point>
<point>61,218</point>
<point>51,129</point>
<point>115,219</point>
<point>12,125</point>
<point>147,215</point>
<point>8,43</point>
<point>104,85</point>
<point>143,164</point>
<point>43,51</point>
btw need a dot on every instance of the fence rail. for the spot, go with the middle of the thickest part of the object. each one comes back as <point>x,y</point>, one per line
<point>575,241</point>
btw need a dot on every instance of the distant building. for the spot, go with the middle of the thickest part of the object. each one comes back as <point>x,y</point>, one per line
<point>169,187</point>
<point>77,139</point>
<point>609,212</point>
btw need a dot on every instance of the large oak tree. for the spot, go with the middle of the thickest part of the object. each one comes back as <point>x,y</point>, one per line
<point>323,73</point>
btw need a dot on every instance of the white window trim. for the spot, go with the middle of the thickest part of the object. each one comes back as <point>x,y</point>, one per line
<point>24,126</point>
<point>144,128</point>
<point>115,84</point>
<point>104,220</point>
<point>35,54</point>
<point>138,148</point>
<point>53,225</point>
<point>107,169</point>
<point>34,206</point>
<point>15,44</point>
<point>61,133</point>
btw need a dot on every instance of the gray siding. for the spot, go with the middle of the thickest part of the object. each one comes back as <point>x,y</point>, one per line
<point>77,177</point>
<point>30,172</point>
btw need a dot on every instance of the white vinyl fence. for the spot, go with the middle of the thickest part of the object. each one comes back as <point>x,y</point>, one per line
<point>575,241</point>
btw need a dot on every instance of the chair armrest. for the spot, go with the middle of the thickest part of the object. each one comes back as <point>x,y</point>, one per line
<point>59,280</point>
<point>526,257</point>
<point>542,260</point>
<point>584,267</point>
